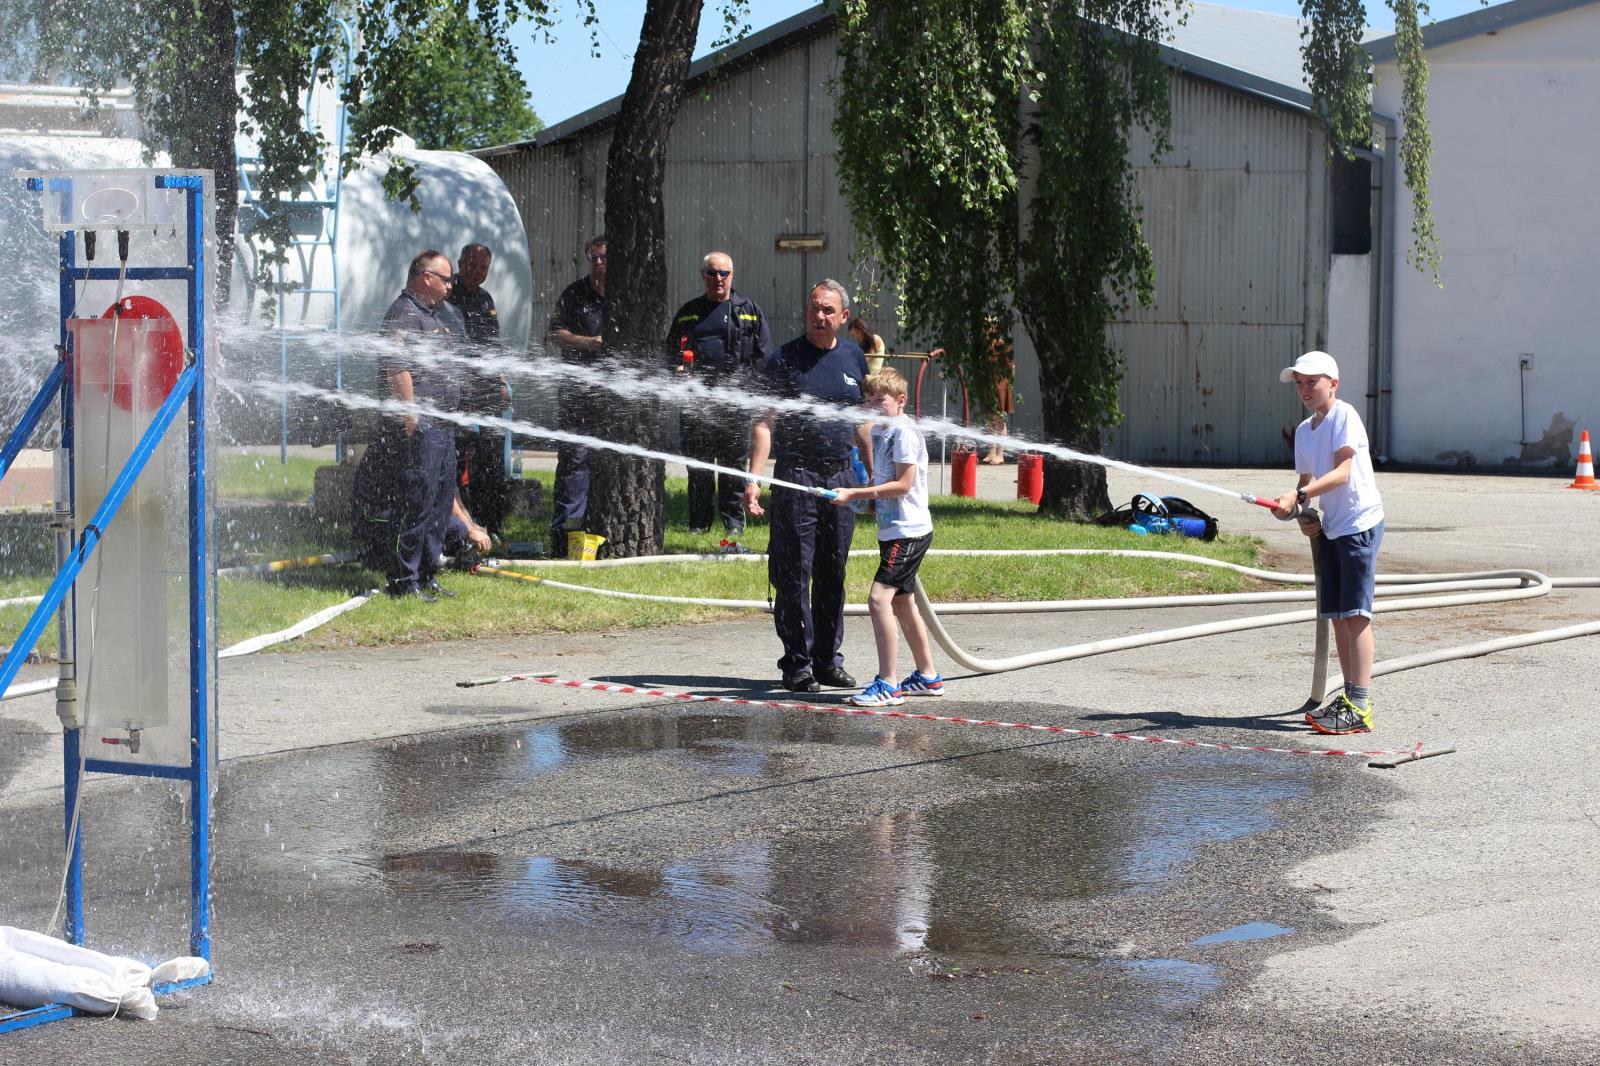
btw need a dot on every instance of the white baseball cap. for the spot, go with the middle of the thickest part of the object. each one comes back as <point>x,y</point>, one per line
<point>1311,364</point>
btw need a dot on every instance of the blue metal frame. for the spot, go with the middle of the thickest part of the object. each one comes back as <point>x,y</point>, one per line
<point>190,388</point>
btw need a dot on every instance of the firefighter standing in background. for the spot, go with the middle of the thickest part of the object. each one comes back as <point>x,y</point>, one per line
<point>719,338</point>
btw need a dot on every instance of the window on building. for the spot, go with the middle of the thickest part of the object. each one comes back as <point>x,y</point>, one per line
<point>1350,205</point>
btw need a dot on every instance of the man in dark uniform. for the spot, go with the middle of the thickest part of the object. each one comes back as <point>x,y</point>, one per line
<point>719,338</point>
<point>405,485</point>
<point>575,331</point>
<point>480,452</point>
<point>810,543</point>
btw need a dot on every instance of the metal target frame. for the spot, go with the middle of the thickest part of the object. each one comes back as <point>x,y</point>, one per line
<point>74,548</point>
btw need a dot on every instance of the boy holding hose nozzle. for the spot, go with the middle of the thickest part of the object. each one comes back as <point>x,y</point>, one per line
<point>1334,461</point>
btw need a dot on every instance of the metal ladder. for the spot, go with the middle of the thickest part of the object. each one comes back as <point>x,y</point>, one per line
<point>314,235</point>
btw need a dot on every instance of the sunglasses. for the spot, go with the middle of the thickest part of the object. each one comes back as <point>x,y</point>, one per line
<point>713,273</point>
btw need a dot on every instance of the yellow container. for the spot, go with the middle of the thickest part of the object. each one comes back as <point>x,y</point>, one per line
<point>583,546</point>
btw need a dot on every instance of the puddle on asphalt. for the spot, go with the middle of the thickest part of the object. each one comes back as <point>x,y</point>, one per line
<point>946,880</point>
<point>1247,931</point>
<point>974,879</point>
<point>1178,981</point>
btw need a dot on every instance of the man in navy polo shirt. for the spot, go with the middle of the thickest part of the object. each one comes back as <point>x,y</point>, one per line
<point>405,487</point>
<point>810,542</point>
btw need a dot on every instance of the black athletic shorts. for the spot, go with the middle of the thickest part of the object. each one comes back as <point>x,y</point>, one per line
<point>899,561</point>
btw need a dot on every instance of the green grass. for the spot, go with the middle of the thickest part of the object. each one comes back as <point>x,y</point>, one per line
<point>488,606</point>
<point>246,476</point>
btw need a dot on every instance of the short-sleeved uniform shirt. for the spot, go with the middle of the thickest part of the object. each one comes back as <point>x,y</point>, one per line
<point>480,323</point>
<point>417,328</point>
<point>898,441</point>
<point>834,375</point>
<point>580,309</point>
<point>726,338</point>
<point>478,313</point>
<point>1354,506</point>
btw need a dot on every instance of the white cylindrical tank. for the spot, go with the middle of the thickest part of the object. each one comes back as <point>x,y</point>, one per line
<point>461,201</point>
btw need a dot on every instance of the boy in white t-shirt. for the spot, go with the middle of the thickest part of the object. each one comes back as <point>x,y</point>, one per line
<point>1334,462</point>
<point>905,529</point>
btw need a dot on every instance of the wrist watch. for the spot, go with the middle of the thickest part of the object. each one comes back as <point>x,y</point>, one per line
<point>1300,497</point>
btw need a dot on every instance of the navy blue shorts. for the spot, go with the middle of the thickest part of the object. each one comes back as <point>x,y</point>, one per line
<point>899,561</point>
<point>1347,571</point>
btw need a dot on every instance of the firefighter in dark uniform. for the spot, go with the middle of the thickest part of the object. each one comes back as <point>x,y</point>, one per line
<point>405,485</point>
<point>480,452</point>
<point>719,338</point>
<point>810,543</point>
<point>575,332</point>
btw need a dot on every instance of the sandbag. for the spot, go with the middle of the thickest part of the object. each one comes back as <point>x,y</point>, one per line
<point>38,970</point>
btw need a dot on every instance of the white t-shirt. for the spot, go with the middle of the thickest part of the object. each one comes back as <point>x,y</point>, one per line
<point>897,441</point>
<point>1354,506</point>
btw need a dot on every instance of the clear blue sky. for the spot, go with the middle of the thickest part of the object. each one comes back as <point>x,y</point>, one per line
<point>563,79</point>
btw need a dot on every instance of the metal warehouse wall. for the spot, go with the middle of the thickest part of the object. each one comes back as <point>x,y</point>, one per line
<point>1236,219</point>
<point>1234,214</point>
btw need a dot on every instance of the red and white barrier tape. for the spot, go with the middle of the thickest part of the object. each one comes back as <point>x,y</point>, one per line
<point>846,710</point>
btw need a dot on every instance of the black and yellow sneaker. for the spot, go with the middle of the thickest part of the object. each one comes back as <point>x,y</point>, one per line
<point>1343,715</point>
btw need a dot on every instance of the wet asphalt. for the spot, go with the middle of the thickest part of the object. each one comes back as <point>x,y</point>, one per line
<point>411,872</point>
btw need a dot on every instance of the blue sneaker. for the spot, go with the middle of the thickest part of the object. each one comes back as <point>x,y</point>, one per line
<point>920,684</point>
<point>878,694</point>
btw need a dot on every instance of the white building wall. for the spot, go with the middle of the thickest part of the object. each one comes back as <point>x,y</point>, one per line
<point>1516,155</point>
<point>1349,301</point>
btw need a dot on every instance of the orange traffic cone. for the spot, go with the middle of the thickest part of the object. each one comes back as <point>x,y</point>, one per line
<point>1585,478</point>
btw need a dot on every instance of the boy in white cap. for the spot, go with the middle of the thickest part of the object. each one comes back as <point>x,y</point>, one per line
<point>1334,462</point>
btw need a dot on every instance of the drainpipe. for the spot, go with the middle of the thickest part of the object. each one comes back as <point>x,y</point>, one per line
<point>1385,264</point>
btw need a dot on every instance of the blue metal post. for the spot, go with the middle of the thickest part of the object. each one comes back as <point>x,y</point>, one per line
<point>71,739</point>
<point>199,587</point>
<point>96,526</point>
<point>30,418</point>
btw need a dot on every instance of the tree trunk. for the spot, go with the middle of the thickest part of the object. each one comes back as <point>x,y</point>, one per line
<point>1072,490</point>
<point>627,497</point>
<point>209,100</point>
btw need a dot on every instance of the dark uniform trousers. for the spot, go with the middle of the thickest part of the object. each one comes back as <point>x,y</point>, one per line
<point>570,498</point>
<point>404,492</point>
<point>481,473</point>
<point>720,435</point>
<point>809,548</point>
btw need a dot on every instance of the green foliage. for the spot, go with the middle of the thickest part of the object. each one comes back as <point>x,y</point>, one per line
<point>1339,70</point>
<point>931,136</point>
<point>1336,68</point>
<point>1416,143</point>
<point>939,104</point>
<point>440,67</point>
<point>1085,260</point>
<point>928,159</point>
<point>444,72</point>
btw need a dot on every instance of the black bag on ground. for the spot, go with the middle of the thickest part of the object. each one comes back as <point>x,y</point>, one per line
<point>1162,514</point>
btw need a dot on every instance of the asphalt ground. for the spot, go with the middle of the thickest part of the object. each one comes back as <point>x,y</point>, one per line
<point>407,871</point>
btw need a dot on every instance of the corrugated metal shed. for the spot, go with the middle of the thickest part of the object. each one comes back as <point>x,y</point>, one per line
<point>1234,213</point>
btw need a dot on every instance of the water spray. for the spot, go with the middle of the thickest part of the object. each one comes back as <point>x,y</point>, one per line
<point>358,402</point>
<point>688,392</point>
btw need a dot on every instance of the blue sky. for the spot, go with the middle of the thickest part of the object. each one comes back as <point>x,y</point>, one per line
<point>563,79</point>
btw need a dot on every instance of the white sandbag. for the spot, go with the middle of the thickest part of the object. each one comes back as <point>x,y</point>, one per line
<point>36,970</point>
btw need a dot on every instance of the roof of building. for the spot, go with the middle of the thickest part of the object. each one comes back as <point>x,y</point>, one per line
<point>1251,51</point>
<point>1476,23</point>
